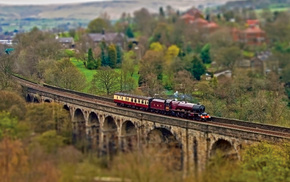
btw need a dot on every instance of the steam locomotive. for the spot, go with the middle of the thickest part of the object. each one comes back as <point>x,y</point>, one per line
<point>163,106</point>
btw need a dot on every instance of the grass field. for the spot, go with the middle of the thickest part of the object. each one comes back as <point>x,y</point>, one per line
<point>89,74</point>
<point>273,9</point>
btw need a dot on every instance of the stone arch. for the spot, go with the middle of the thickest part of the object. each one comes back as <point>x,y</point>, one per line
<point>65,107</point>
<point>129,136</point>
<point>36,100</point>
<point>29,98</point>
<point>110,136</point>
<point>47,101</point>
<point>79,125</point>
<point>165,139</point>
<point>225,147</point>
<point>94,130</point>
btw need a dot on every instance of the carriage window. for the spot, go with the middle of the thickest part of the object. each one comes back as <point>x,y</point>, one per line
<point>137,100</point>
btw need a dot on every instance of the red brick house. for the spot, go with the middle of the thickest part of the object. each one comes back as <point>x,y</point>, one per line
<point>187,18</point>
<point>251,23</point>
<point>195,18</point>
<point>252,35</point>
<point>194,12</point>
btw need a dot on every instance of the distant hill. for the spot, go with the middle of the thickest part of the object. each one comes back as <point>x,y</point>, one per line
<point>92,10</point>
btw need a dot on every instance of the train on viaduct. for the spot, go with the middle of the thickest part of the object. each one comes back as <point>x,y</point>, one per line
<point>110,128</point>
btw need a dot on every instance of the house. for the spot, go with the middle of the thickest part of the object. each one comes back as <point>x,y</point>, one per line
<point>210,27</point>
<point>191,15</point>
<point>187,18</point>
<point>194,12</point>
<point>195,18</point>
<point>261,63</point>
<point>6,39</point>
<point>251,23</point>
<point>66,42</point>
<point>200,22</point>
<point>109,38</point>
<point>253,35</point>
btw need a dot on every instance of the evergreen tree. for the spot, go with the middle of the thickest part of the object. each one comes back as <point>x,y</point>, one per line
<point>119,54</point>
<point>129,32</point>
<point>197,68</point>
<point>161,12</point>
<point>205,54</point>
<point>104,61</point>
<point>112,56</point>
<point>91,61</point>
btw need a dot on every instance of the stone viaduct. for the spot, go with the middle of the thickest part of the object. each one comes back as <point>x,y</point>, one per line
<point>110,128</point>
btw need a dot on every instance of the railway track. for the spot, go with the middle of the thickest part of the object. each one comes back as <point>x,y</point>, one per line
<point>220,122</point>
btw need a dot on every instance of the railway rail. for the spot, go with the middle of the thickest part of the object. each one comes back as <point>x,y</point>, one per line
<point>216,121</point>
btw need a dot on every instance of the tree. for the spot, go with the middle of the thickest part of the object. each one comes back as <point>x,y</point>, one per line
<point>31,48</point>
<point>105,80</point>
<point>112,56</point>
<point>127,70</point>
<point>6,68</point>
<point>91,63</point>
<point>198,68</point>
<point>12,103</point>
<point>205,54</point>
<point>183,82</point>
<point>64,74</point>
<point>72,33</point>
<point>152,63</point>
<point>228,56</point>
<point>266,162</point>
<point>172,53</point>
<point>161,12</point>
<point>8,125</point>
<point>129,32</point>
<point>286,74</point>
<point>161,33</point>
<point>98,25</point>
<point>51,141</point>
<point>82,46</point>
<point>104,56</point>
<point>152,85</point>
<point>49,116</point>
<point>13,159</point>
<point>143,22</point>
<point>119,54</point>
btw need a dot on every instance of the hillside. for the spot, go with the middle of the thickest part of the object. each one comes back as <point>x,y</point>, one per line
<point>90,11</point>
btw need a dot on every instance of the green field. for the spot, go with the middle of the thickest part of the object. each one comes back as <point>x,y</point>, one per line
<point>275,7</point>
<point>43,24</point>
<point>89,74</point>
